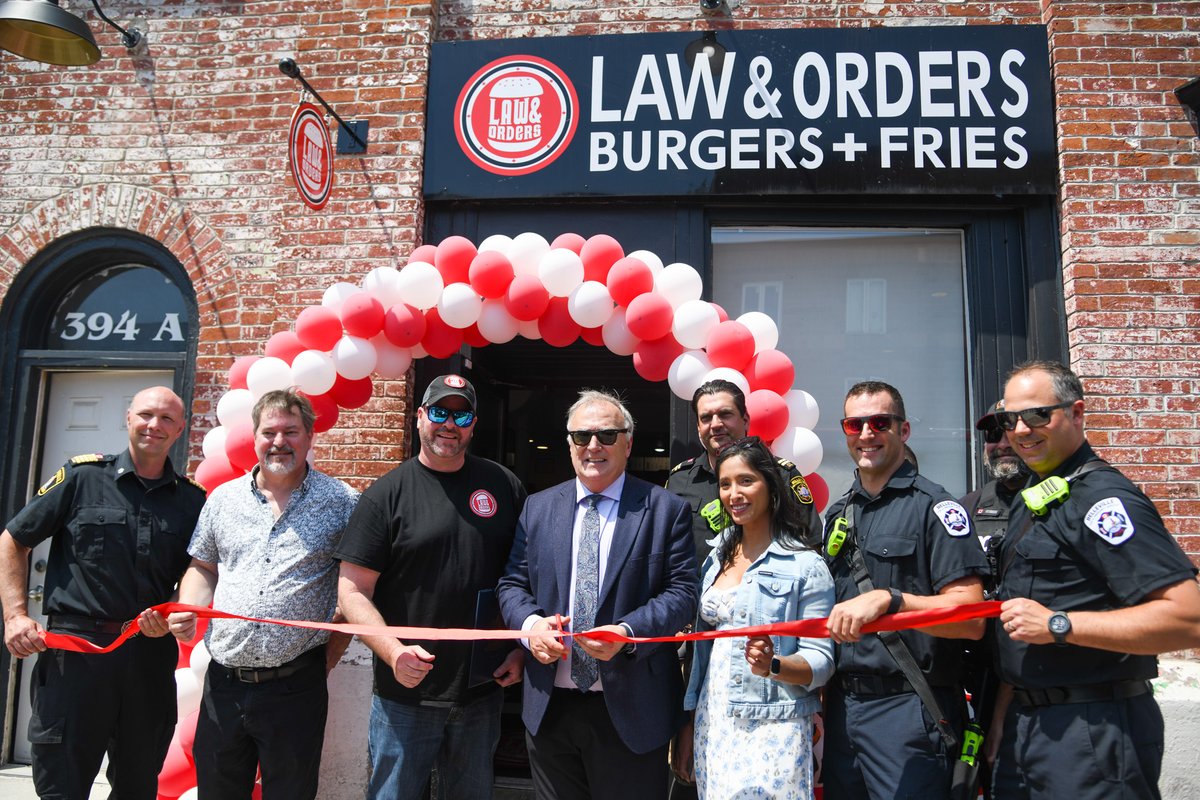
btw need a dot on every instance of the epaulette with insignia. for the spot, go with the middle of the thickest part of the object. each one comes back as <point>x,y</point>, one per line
<point>198,485</point>
<point>88,458</point>
<point>682,465</point>
<point>783,462</point>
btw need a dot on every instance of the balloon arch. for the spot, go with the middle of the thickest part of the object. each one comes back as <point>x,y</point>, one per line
<point>454,293</point>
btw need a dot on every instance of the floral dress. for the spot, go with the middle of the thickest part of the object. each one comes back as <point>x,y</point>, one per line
<point>738,758</point>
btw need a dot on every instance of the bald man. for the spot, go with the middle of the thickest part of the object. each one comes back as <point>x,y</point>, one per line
<point>119,527</point>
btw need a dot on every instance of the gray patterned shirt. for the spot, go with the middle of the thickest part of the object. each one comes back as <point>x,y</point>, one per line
<point>277,568</point>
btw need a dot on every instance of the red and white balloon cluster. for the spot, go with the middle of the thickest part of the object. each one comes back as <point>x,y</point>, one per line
<point>455,293</point>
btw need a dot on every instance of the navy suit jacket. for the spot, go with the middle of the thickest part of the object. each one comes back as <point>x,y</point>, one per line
<point>650,584</point>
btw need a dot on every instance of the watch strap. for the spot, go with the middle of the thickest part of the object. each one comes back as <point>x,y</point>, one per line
<point>897,600</point>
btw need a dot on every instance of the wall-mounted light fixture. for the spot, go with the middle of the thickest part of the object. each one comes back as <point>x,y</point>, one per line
<point>1189,97</point>
<point>712,8</point>
<point>41,30</point>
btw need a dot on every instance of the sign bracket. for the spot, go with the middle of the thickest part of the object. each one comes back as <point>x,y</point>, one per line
<point>348,142</point>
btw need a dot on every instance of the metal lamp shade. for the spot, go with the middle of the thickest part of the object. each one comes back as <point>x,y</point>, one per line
<point>40,30</point>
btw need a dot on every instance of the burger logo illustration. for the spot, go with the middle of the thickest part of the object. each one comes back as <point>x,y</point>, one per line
<point>516,115</point>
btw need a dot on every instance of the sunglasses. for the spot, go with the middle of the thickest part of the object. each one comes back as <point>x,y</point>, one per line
<point>1032,417</point>
<point>993,434</point>
<point>853,426</point>
<point>437,415</point>
<point>607,436</point>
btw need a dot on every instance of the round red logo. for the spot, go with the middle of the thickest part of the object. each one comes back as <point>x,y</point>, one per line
<point>310,155</point>
<point>483,504</point>
<point>516,115</point>
<point>455,381</point>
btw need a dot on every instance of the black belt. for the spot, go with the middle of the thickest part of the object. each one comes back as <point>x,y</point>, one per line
<point>264,674</point>
<point>1120,690</point>
<point>874,684</point>
<point>77,622</point>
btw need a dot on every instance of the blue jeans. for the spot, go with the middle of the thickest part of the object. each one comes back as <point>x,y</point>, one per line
<point>406,742</point>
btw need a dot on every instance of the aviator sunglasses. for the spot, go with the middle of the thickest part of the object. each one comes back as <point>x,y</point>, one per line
<point>607,436</point>
<point>1032,417</point>
<point>437,415</point>
<point>853,426</point>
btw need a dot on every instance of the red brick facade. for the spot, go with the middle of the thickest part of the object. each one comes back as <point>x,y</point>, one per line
<point>185,143</point>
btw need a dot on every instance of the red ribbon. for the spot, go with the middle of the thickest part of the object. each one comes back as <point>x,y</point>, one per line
<point>810,628</point>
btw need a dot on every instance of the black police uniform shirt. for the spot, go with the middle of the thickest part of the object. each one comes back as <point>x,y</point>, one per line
<point>915,537</point>
<point>990,508</point>
<point>1104,547</point>
<point>437,539</point>
<point>695,482</point>
<point>119,541</point>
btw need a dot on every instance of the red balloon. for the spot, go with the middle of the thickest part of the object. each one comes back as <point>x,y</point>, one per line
<point>426,253</point>
<point>440,340</point>
<point>318,328</point>
<point>178,774</point>
<point>239,445</point>
<point>453,259</point>
<point>598,254</point>
<point>473,337</point>
<point>490,274</point>
<point>652,360</point>
<point>351,394</point>
<point>556,326</point>
<point>237,372</point>
<point>526,298</point>
<point>730,344</point>
<point>722,314</point>
<point>593,336</point>
<point>768,414</point>
<point>568,241</point>
<point>403,325</point>
<point>212,472</point>
<point>326,409</point>
<point>772,370</point>
<point>629,278</point>
<point>649,316</point>
<point>362,315</point>
<point>819,489</point>
<point>284,345</point>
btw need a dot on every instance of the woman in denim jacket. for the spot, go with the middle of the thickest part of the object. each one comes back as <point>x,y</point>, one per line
<point>754,699</point>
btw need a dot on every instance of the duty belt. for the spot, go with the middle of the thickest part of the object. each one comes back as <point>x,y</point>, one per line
<point>78,622</point>
<point>874,684</point>
<point>1120,690</point>
<point>264,674</point>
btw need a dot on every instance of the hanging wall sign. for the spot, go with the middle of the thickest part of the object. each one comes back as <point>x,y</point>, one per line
<point>947,110</point>
<point>310,155</point>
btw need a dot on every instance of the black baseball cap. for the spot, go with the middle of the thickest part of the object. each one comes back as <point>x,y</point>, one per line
<point>445,386</point>
<point>988,420</point>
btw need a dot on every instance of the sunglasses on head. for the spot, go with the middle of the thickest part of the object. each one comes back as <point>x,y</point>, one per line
<point>438,415</point>
<point>1032,417</point>
<point>853,426</point>
<point>607,436</point>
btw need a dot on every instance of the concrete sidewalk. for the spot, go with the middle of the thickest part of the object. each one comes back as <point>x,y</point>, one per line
<point>16,783</point>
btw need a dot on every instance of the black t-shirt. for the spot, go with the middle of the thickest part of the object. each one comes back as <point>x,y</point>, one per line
<point>119,542</point>
<point>437,539</point>
<point>1104,548</point>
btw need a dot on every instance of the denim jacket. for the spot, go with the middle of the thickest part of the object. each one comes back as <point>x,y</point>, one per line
<point>782,585</point>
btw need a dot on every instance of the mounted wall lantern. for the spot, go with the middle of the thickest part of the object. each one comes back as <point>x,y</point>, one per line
<point>41,30</point>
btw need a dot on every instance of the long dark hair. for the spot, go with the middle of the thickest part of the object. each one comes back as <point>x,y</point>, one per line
<point>789,520</point>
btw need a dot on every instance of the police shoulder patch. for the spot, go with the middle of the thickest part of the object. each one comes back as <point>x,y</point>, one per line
<point>88,458</point>
<point>953,518</point>
<point>801,490</point>
<point>55,480</point>
<point>1109,520</point>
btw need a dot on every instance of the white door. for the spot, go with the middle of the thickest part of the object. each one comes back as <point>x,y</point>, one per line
<point>85,414</point>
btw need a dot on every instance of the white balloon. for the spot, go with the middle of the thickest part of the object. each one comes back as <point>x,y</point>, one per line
<point>497,242</point>
<point>590,304</point>
<point>679,283</point>
<point>800,446</point>
<point>649,259</point>
<point>187,692</point>
<point>495,323</point>
<point>420,285</point>
<point>390,361</point>
<point>191,794</point>
<point>694,320</point>
<point>529,329</point>
<point>354,357</point>
<point>268,374</point>
<point>617,336</point>
<point>526,252</point>
<point>418,351</point>
<point>561,272</point>
<point>764,329</point>
<point>313,372</point>
<point>460,305</point>
<point>802,409</point>
<point>336,294</point>
<point>198,663</point>
<point>731,375</point>
<point>234,407</point>
<point>687,372</point>
<point>383,283</point>
<point>214,441</point>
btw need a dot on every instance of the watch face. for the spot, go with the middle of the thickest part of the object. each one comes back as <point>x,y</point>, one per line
<point>1060,624</point>
<point>776,666</point>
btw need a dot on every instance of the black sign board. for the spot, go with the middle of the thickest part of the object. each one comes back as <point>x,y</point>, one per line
<point>128,307</point>
<point>946,110</point>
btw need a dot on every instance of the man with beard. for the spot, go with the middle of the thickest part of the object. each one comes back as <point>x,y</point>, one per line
<point>426,544</point>
<point>264,548</point>
<point>989,504</point>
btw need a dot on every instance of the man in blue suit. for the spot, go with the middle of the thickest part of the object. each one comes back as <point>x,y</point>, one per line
<point>607,552</point>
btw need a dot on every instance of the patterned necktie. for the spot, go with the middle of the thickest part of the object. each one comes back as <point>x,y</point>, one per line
<point>584,669</point>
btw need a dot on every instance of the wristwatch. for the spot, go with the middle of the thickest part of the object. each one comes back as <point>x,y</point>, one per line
<point>776,666</point>
<point>1059,625</point>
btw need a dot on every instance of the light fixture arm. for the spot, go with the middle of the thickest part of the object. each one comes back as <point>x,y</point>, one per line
<point>290,68</point>
<point>130,36</point>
